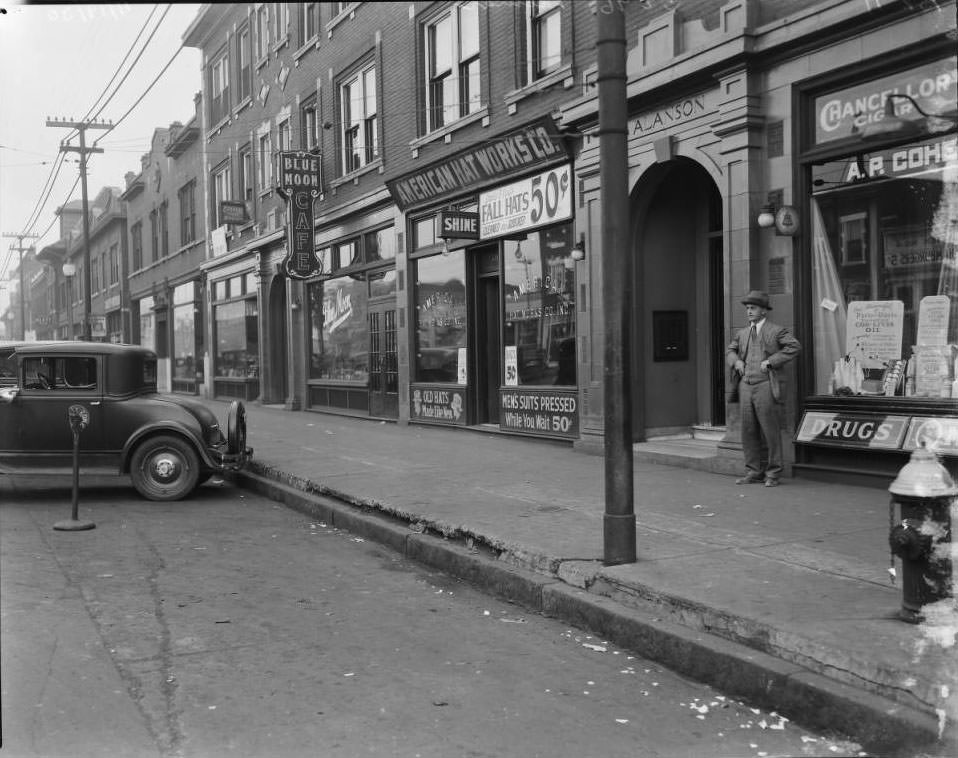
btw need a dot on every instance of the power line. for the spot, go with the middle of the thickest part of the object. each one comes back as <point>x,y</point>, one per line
<point>132,65</point>
<point>120,66</point>
<point>55,170</point>
<point>140,98</point>
<point>44,195</point>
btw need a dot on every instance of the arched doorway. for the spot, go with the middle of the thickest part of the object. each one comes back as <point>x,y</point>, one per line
<point>678,341</point>
<point>276,344</point>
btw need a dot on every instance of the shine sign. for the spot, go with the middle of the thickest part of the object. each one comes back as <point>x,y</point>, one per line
<point>300,182</point>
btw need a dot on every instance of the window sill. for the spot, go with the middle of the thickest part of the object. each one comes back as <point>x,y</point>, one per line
<point>214,130</point>
<point>350,12</point>
<point>280,45</point>
<point>449,129</point>
<point>261,62</point>
<point>563,75</point>
<point>242,105</point>
<point>353,176</point>
<point>311,44</point>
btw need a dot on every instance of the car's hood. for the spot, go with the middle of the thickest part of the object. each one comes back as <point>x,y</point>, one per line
<point>198,409</point>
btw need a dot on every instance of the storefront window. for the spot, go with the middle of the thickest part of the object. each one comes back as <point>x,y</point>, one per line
<point>440,298</point>
<point>539,300</point>
<point>382,283</point>
<point>885,274</point>
<point>237,339</point>
<point>147,336</point>
<point>187,339</point>
<point>339,341</point>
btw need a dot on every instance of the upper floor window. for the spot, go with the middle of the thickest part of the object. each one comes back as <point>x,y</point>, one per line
<point>360,140</point>
<point>246,174</point>
<point>114,264</point>
<point>187,197</point>
<point>308,22</point>
<point>219,88</point>
<point>265,148</point>
<point>221,187</point>
<point>95,274</point>
<point>154,236</point>
<point>545,37</point>
<point>164,230</point>
<point>244,72</point>
<point>283,135</point>
<point>309,124</point>
<point>281,21</point>
<point>136,245</point>
<point>262,31</point>
<point>452,65</point>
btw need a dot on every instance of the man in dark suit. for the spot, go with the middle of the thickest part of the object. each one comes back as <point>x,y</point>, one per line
<point>756,352</point>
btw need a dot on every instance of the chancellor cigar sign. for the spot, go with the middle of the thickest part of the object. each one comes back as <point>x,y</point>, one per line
<point>300,182</point>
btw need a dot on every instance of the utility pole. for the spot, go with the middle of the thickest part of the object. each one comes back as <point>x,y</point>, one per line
<point>21,249</point>
<point>81,127</point>
<point>619,518</point>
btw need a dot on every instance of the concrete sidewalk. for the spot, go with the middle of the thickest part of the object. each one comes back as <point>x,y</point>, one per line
<point>781,595</point>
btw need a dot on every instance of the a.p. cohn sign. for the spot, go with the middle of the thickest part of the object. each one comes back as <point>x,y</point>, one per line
<point>299,180</point>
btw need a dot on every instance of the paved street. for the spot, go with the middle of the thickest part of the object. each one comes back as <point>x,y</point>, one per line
<point>230,625</point>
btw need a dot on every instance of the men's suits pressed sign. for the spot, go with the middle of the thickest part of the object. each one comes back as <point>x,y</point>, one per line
<point>300,182</point>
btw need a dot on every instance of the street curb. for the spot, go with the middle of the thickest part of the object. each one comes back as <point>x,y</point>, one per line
<point>881,726</point>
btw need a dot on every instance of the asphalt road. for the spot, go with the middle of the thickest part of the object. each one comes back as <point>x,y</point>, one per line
<point>232,626</point>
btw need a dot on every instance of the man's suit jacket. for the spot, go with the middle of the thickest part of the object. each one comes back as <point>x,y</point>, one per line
<point>778,347</point>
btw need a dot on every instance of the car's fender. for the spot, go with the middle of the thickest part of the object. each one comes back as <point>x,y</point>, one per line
<point>160,428</point>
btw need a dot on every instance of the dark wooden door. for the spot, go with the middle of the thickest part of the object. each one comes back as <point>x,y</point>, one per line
<point>383,363</point>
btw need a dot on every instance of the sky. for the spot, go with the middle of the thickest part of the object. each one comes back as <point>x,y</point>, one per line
<point>55,61</point>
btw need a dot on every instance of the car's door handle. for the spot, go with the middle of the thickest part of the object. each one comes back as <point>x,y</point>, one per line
<point>94,402</point>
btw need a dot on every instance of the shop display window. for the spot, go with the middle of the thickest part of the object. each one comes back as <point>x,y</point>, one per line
<point>237,339</point>
<point>339,334</point>
<point>440,302</point>
<point>187,339</point>
<point>539,302</point>
<point>885,271</point>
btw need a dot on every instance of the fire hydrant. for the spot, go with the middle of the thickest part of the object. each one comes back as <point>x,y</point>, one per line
<point>925,492</point>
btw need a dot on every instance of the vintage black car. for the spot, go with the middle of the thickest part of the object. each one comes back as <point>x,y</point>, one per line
<point>168,444</point>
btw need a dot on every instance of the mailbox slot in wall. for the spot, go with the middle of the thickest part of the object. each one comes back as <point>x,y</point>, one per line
<point>670,335</point>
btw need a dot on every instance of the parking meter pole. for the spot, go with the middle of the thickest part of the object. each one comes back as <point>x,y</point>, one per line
<point>78,420</point>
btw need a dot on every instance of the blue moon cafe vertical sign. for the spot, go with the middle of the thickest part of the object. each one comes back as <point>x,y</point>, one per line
<point>300,183</point>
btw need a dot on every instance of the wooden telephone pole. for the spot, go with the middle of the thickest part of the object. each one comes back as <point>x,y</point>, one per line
<point>21,250</point>
<point>81,127</point>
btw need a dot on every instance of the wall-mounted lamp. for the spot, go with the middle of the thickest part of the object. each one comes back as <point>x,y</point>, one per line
<point>766,216</point>
<point>69,269</point>
<point>578,249</point>
<point>445,247</point>
<point>775,214</point>
<point>893,125</point>
<point>296,304</point>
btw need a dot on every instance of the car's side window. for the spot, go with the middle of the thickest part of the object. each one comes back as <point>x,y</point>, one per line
<point>76,373</point>
<point>8,368</point>
<point>38,373</point>
<point>66,373</point>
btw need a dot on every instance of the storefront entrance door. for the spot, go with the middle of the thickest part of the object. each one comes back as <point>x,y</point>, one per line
<point>383,363</point>
<point>488,337</point>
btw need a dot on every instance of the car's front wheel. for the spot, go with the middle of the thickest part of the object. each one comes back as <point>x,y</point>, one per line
<point>164,468</point>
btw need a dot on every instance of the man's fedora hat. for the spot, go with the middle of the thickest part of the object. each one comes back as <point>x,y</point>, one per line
<point>757,297</point>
